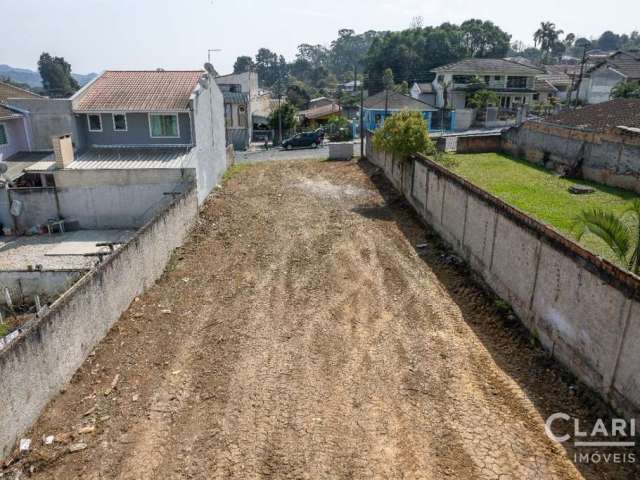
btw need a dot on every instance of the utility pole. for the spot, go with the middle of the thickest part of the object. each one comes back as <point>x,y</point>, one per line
<point>355,77</point>
<point>279,117</point>
<point>211,50</point>
<point>584,60</point>
<point>362,120</point>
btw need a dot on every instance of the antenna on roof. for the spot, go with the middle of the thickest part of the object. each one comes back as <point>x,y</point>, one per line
<point>210,51</point>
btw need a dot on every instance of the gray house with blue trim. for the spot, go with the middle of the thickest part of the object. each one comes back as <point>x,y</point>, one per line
<point>151,120</point>
<point>386,103</point>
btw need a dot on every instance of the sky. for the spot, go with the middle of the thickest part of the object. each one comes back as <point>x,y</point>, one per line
<point>94,35</point>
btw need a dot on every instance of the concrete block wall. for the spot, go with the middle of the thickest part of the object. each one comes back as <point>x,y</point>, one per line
<point>46,355</point>
<point>608,157</point>
<point>584,310</point>
<point>96,199</point>
<point>24,285</point>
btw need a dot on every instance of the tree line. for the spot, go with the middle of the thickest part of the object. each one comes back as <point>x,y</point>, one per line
<point>411,54</point>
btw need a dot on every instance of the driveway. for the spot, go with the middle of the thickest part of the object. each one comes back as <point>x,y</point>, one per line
<point>304,332</point>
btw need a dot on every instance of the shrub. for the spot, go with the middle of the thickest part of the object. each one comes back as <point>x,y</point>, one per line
<point>404,134</point>
<point>339,129</point>
<point>483,99</point>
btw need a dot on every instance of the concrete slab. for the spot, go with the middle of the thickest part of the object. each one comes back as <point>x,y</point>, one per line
<point>60,251</point>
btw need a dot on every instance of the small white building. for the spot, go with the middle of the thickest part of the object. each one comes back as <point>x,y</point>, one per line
<point>600,79</point>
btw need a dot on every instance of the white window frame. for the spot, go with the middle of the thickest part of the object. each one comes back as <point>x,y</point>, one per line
<point>164,115</point>
<point>6,135</point>
<point>126,122</point>
<point>89,115</point>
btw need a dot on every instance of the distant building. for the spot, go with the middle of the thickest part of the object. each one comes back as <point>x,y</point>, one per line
<point>513,82</point>
<point>240,91</point>
<point>319,114</point>
<point>424,92</point>
<point>387,103</point>
<point>600,79</point>
<point>130,120</point>
<point>14,122</point>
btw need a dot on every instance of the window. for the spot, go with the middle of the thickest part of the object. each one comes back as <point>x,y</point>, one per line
<point>440,78</point>
<point>95,123</point>
<point>4,139</point>
<point>497,78</point>
<point>164,126</point>
<point>242,117</point>
<point>119,122</point>
<point>228,115</point>
<point>462,79</point>
<point>487,79</point>
<point>516,82</point>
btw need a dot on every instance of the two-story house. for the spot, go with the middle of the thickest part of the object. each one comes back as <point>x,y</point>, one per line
<point>137,120</point>
<point>240,92</point>
<point>513,82</point>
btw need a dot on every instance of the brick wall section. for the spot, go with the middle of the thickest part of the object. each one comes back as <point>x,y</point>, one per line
<point>610,157</point>
<point>44,358</point>
<point>584,310</point>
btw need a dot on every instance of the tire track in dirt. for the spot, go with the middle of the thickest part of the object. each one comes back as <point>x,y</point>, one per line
<point>309,339</point>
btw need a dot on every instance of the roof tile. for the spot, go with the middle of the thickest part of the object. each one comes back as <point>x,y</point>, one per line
<point>138,91</point>
<point>614,113</point>
<point>10,91</point>
<point>396,101</point>
<point>479,66</point>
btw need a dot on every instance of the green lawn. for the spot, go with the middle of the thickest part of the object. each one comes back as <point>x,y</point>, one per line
<point>538,192</point>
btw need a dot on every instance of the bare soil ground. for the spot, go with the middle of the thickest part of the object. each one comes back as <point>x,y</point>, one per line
<point>300,334</point>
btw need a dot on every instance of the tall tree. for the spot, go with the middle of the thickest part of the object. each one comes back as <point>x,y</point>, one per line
<point>56,76</point>
<point>267,66</point>
<point>388,80</point>
<point>348,52</point>
<point>547,36</point>
<point>412,53</point>
<point>243,64</point>
<point>484,39</point>
<point>609,41</point>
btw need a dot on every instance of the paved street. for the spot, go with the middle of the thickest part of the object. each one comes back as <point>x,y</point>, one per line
<point>281,154</point>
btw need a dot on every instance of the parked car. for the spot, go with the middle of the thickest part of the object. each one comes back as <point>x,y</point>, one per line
<point>306,139</point>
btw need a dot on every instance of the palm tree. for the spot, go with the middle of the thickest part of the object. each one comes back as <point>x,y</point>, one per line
<point>623,240</point>
<point>547,36</point>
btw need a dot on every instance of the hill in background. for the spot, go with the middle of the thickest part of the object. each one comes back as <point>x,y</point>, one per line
<point>32,77</point>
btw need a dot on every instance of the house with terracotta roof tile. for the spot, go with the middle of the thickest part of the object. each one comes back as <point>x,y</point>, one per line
<point>145,120</point>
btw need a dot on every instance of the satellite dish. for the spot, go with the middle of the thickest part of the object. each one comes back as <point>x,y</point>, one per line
<point>3,167</point>
<point>209,68</point>
<point>204,82</point>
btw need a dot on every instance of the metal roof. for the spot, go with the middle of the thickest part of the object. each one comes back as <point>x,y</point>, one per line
<point>20,161</point>
<point>138,91</point>
<point>131,158</point>
<point>236,97</point>
<point>122,159</point>
<point>7,113</point>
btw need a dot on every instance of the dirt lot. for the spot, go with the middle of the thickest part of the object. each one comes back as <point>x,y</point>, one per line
<point>300,333</point>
